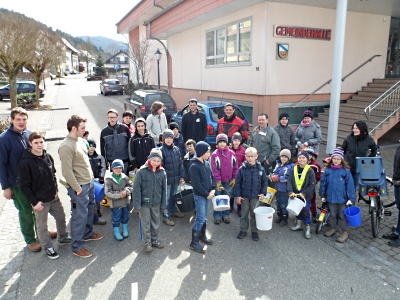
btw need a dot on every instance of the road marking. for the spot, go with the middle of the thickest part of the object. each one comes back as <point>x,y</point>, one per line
<point>116,102</point>
<point>135,291</point>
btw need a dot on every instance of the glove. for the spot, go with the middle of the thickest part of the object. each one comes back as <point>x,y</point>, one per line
<point>292,195</point>
<point>232,183</point>
<point>275,178</point>
<point>301,196</point>
<point>299,145</point>
<point>323,199</point>
<point>101,180</point>
<point>306,144</point>
<point>349,202</point>
<point>219,186</point>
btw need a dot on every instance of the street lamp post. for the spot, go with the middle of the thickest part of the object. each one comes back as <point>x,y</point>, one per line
<point>158,58</point>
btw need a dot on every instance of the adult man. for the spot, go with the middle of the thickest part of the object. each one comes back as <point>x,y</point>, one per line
<point>230,123</point>
<point>79,177</point>
<point>266,141</point>
<point>286,134</point>
<point>114,139</point>
<point>194,123</point>
<point>13,142</point>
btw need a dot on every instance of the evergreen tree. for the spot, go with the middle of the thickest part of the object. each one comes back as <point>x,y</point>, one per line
<point>100,69</point>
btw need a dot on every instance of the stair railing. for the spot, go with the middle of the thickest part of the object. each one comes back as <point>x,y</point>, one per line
<point>384,107</point>
<point>343,79</point>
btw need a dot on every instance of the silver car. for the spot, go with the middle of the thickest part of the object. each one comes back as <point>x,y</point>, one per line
<point>111,86</point>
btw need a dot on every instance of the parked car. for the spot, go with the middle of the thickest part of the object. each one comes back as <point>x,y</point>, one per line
<point>52,76</point>
<point>111,86</point>
<point>73,72</point>
<point>23,86</point>
<point>214,110</point>
<point>142,100</point>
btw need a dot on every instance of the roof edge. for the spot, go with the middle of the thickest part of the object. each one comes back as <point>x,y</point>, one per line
<point>133,8</point>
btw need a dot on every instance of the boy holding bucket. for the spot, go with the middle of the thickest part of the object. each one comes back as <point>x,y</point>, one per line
<point>301,184</point>
<point>251,183</point>
<point>337,188</point>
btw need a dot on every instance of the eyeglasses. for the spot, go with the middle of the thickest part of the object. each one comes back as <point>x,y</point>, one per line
<point>250,156</point>
<point>112,118</point>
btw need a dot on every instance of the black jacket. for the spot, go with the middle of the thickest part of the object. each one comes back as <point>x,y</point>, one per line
<point>308,187</point>
<point>114,142</point>
<point>139,148</point>
<point>203,180</point>
<point>98,165</point>
<point>37,179</point>
<point>194,126</point>
<point>396,165</point>
<point>178,142</point>
<point>172,163</point>
<point>187,161</point>
<point>355,147</point>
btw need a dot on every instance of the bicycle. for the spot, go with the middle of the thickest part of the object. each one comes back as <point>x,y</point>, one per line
<point>323,213</point>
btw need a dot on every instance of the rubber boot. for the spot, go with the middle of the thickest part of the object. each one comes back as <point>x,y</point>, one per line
<point>279,219</point>
<point>203,236</point>
<point>239,211</point>
<point>117,234</point>
<point>284,220</point>
<point>125,233</point>
<point>194,245</point>
<point>307,232</point>
<point>297,225</point>
<point>231,204</point>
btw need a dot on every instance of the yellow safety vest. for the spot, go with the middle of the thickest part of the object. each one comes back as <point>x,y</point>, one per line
<point>300,181</point>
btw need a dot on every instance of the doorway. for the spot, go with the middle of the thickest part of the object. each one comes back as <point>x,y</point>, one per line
<point>393,55</point>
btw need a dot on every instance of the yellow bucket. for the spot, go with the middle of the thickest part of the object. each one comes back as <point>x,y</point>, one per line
<point>270,195</point>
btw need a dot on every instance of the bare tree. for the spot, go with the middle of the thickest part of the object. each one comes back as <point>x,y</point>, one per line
<point>138,55</point>
<point>112,49</point>
<point>86,50</point>
<point>18,36</point>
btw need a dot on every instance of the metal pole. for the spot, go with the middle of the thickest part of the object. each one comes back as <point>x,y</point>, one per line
<point>338,49</point>
<point>158,69</point>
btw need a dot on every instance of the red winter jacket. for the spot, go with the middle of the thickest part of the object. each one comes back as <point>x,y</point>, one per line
<point>232,125</point>
<point>240,154</point>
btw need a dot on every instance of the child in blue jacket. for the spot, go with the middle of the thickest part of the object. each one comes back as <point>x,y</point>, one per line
<point>337,188</point>
<point>280,177</point>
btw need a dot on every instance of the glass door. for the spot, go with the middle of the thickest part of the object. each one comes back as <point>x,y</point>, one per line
<point>393,55</point>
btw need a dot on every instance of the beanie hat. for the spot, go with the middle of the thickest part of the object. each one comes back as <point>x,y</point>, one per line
<point>173,125</point>
<point>140,120</point>
<point>155,153</point>
<point>285,152</point>
<point>193,100</point>
<point>117,163</point>
<point>338,152</point>
<point>91,142</point>
<point>308,113</point>
<point>283,115</point>
<point>304,153</point>
<point>168,133</point>
<point>222,137</point>
<point>201,148</point>
<point>237,136</point>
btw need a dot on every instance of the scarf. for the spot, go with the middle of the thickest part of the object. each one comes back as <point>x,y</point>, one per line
<point>336,167</point>
<point>304,124</point>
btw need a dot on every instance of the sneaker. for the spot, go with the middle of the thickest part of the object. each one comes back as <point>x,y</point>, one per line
<point>157,244</point>
<point>241,234</point>
<point>83,252</point>
<point>65,241</point>
<point>51,253</point>
<point>330,232</point>
<point>178,214</point>
<point>94,237</point>
<point>34,247</point>
<point>254,236</point>
<point>53,234</point>
<point>391,236</point>
<point>226,220</point>
<point>217,221</point>
<point>342,237</point>
<point>100,222</point>
<point>168,221</point>
<point>147,248</point>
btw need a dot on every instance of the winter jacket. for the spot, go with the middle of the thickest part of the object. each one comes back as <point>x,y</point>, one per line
<point>240,154</point>
<point>310,134</point>
<point>355,147</point>
<point>98,164</point>
<point>224,164</point>
<point>187,160</point>
<point>172,163</point>
<point>37,179</point>
<point>194,126</point>
<point>12,146</point>
<point>113,190</point>
<point>178,142</point>
<point>287,138</point>
<point>251,180</point>
<point>316,168</point>
<point>150,188</point>
<point>396,167</point>
<point>114,142</point>
<point>139,149</point>
<point>156,124</point>
<point>231,125</point>
<point>283,175</point>
<point>337,186</point>
<point>267,143</point>
<point>202,177</point>
<point>308,187</point>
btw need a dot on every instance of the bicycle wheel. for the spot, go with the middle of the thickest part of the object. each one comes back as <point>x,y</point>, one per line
<point>389,200</point>
<point>319,227</point>
<point>376,217</point>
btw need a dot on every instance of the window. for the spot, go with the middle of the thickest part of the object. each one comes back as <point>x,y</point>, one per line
<point>229,45</point>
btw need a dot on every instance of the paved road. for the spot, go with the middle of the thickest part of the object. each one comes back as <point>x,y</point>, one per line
<point>282,265</point>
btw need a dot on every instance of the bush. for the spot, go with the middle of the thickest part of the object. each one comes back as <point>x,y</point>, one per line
<point>28,101</point>
<point>4,124</point>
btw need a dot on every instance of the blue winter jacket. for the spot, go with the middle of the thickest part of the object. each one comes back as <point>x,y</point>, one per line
<point>283,173</point>
<point>12,146</point>
<point>251,180</point>
<point>172,163</point>
<point>337,186</point>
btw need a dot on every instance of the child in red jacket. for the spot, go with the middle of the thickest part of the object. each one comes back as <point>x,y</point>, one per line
<point>317,170</point>
<point>239,150</point>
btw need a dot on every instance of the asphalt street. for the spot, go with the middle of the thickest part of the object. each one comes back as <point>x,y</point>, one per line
<point>282,265</point>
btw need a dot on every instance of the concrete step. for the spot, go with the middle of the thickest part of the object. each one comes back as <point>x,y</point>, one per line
<point>362,98</point>
<point>375,89</point>
<point>380,85</point>
<point>385,80</point>
<point>369,94</point>
<point>353,113</point>
<point>347,123</point>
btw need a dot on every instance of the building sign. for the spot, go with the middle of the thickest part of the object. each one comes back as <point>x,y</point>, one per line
<point>302,32</point>
<point>282,51</point>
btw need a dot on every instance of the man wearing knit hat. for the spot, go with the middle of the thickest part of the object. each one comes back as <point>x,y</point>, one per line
<point>140,145</point>
<point>286,134</point>
<point>194,123</point>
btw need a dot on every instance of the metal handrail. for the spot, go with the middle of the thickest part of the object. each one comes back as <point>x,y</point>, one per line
<point>343,79</point>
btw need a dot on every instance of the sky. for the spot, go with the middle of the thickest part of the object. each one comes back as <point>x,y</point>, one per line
<point>76,17</point>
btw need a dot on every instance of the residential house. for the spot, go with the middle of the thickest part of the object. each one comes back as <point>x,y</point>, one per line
<point>70,61</point>
<point>117,63</point>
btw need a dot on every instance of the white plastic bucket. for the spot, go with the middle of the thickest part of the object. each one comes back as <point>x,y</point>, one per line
<point>264,217</point>
<point>295,206</point>
<point>221,202</point>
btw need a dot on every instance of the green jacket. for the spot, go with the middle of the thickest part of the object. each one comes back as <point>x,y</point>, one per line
<point>113,191</point>
<point>267,143</point>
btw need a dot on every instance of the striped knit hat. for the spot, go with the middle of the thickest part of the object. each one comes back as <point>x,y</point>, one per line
<point>338,152</point>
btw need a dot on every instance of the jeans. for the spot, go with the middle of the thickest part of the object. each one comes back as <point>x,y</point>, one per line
<point>282,202</point>
<point>397,197</point>
<point>171,208</point>
<point>120,215</point>
<point>27,219</point>
<point>225,191</point>
<point>82,211</point>
<point>202,204</point>
<point>248,206</point>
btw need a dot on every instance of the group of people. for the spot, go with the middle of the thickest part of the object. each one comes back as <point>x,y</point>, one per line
<point>165,156</point>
